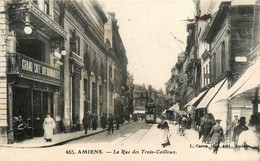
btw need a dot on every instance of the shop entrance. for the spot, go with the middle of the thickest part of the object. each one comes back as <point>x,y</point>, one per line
<point>21,104</point>
<point>42,104</point>
<point>32,106</point>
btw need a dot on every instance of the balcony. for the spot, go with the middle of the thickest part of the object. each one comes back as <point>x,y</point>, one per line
<point>38,19</point>
<point>29,68</point>
<point>76,59</point>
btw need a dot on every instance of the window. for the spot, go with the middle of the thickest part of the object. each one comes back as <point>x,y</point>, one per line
<point>223,61</point>
<point>111,98</point>
<point>213,66</point>
<point>110,72</point>
<point>204,73</point>
<point>47,7</point>
<point>100,90</point>
<point>218,62</point>
<point>75,43</point>
<point>207,75</point>
<point>85,86</point>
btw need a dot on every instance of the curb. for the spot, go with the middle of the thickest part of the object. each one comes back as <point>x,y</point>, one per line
<point>64,141</point>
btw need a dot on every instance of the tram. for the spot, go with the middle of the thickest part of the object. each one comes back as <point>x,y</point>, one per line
<point>150,113</point>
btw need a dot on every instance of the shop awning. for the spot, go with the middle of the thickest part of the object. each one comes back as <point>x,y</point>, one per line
<point>196,100</point>
<point>210,95</point>
<point>250,79</point>
<point>139,112</point>
<point>164,112</point>
<point>175,107</point>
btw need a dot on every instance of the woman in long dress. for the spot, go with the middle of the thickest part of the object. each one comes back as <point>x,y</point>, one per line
<point>48,126</point>
<point>165,130</point>
<point>216,133</point>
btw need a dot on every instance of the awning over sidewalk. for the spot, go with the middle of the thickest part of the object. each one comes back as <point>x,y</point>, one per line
<point>250,79</point>
<point>139,112</point>
<point>210,95</point>
<point>175,107</point>
<point>196,100</point>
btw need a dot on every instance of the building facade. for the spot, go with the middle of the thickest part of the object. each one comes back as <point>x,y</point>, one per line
<point>217,57</point>
<point>56,57</point>
<point>139,98</point>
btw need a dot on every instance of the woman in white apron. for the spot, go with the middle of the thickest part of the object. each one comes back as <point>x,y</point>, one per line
<point>48,126</point>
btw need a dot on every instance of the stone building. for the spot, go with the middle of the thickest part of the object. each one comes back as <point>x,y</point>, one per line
<point>56,58</point>
<point>220,50</point>
<point>139,98</point>
<point>119,82</point>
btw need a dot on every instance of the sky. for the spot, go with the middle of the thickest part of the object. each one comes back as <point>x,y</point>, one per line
<point>147,29</point>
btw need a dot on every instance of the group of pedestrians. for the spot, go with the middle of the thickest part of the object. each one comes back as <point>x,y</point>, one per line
<point>242,135</point>
<point>184,121</point>
<point>92,121</point>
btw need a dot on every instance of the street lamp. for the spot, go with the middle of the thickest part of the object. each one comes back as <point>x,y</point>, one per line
<point>63,50</point>
<point>27,29</point>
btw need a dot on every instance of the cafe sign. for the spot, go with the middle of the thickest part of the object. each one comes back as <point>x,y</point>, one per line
<point>39,69</point>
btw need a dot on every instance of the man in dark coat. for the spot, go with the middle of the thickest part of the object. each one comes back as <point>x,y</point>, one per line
<point>189,120</point>
<point>94,122</point>
<point>103,121</point>
<point>201,127</point>
<point>117,121</point>
<point>90,120</point>
<point>239,129</point>
<point>110,121</point>
<point>207,126</point>
<point>86,122</point>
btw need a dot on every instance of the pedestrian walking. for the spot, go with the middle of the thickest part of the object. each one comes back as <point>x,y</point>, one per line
<point>110,121</point>
<point>208,124</point>
<point>48,126</point>
<point>189,120</point>
<point>103,121</point>
<point>179,120</point>
<point>184,122</point>
<point>164,127</point>
<point>94,122</point>
<point>86,120</point>
<point>234,123</point>
<point>216,133</point>
<point>201,128</point>
<point>239,129</point>
<point>90,122</point>
<point>117,121</point>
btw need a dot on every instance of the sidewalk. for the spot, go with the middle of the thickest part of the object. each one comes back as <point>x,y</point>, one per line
<point>190,134</point>
<point>58,139</point>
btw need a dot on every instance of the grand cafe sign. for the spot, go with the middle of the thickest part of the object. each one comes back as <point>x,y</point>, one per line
<point>39,69</point>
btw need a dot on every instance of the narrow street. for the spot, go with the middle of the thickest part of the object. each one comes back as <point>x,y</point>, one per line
<point>133,141</point>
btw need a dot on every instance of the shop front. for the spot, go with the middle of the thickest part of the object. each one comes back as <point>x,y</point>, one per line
<point>35,44</point>
<point>32,87</point>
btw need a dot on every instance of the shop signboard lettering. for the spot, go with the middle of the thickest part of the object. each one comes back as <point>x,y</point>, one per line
<point>27,65</point>
<point>39,69</point>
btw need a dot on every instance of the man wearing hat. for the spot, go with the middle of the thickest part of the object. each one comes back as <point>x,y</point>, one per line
<point>234,123</point>
<point>251,138</point>
<point>216,133</point>
<point>239,129</point>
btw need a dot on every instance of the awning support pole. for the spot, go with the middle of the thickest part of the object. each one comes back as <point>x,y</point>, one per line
<point>255,101</point>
